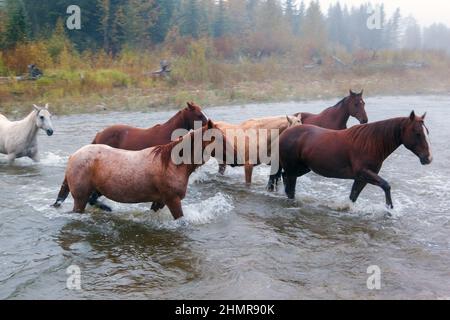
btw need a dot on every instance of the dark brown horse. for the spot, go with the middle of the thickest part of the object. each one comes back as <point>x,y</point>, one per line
<point>335,118</point>
<point>148,175</point>
<point>131,138</point>
<point>356,153</point>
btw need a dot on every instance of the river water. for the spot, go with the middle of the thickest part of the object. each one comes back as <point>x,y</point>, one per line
<point>235,242</point>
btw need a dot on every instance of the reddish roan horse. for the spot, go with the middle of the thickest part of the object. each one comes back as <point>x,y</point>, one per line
<point>131,138</point>
<point>356,153</point>
<point>335,118</point>
<point>125,176</point>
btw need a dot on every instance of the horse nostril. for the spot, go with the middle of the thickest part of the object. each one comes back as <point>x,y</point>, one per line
<point>49,132</point>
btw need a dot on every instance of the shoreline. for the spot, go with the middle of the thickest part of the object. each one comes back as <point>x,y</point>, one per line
<point>136,99</point>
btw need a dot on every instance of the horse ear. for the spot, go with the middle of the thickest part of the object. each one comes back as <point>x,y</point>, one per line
<point>351,92</point>
<point>424,115</point>
<point>362,91</point>
<point>36,108</point>
<point>289,119</point>
<point>190,105</point>
<point>210,124</point>
<point>46,106</point>
<point>412,116</point>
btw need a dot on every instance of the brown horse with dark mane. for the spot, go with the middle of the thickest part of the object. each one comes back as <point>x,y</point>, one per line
<point>335,118</point>
<point>356,153</point>
<point>132,138</point>
<point>126,176</point>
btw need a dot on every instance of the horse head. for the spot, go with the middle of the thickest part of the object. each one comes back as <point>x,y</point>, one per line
<point>356,106</point>
<point>293,121</point>
<point>43,119</point>
<point>193,113</point>
<point>415,137</point>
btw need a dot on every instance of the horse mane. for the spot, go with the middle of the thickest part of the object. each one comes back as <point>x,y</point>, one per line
<point>340,102</point>
<point>381,137</point>
<point>165,150</point>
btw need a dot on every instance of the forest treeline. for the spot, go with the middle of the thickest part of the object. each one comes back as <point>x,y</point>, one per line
<point>239,27</point>
<point>211,42</point>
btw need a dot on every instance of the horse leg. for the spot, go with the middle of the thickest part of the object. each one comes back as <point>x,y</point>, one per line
<point>290,180</point>
<point>174,206</point>
<point>248,173</point>
<point>34,154</point>
<point>372,178</point>
<point>274,180</point>
<point>80,204</point>
<point>156,206</point>
<point>81,196</point>
<point>222,168</point>
<point>11,157</point>
<point>93,201</point>
<point>357,187</point>
<point>289,185</point>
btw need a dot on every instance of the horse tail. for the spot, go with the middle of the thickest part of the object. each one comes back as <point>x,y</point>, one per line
<point>63,193</point>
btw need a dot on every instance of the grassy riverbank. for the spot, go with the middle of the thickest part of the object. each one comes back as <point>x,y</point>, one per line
<point>89,85</point>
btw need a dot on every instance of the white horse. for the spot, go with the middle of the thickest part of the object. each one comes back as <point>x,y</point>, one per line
<point>19,138</point>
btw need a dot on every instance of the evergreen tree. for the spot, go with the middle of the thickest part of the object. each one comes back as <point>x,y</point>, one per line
<point>220,23</point>
<point>16,29</point>
<point>393,30</point>
<point>412,38</point>
<point>289,13</point>
<point>164,10</point>
<point>298,19</point>
<point>313,28</point>
<point>190,19</point>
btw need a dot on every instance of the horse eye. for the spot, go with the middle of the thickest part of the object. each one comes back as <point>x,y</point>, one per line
<point>42,117</point>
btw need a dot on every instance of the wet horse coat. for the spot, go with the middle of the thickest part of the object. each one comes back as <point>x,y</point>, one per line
<point>279,123</point>
<point>132,138</point>
<point>335,117</point>
<point>125,176</point>
<point>19,138</point>
<point>356,153</point>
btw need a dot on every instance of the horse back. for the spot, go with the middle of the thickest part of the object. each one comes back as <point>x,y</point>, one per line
<point>131,138</point>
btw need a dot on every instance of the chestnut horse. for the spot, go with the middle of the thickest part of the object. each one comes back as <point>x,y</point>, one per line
<point>279,123</point>
<point>356,153</point>
<point>335,118</point>
<point>131,138</point>
<point>125,176</point>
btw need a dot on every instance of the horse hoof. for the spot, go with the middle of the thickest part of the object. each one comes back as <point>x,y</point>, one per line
<point>103,207</point>
<point>57,204</point>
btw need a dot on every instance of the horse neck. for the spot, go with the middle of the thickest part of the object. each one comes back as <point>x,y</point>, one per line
<point>29,127</point>
<point>337,116</point>
<point>382,137</point>
<point>178,121</point>
<point>189,168</point>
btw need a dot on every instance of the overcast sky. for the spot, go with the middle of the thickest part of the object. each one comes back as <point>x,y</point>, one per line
<point>425,11</point>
